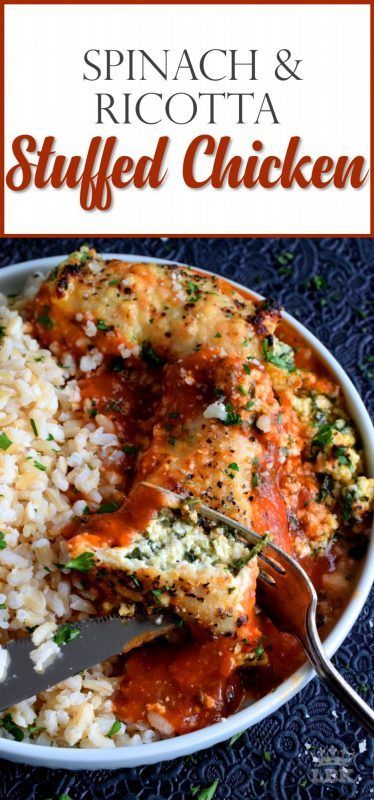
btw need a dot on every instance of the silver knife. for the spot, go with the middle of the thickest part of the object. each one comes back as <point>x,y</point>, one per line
<point>98,639</point>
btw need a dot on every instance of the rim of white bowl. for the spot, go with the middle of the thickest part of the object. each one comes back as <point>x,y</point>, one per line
<point>168,749</point>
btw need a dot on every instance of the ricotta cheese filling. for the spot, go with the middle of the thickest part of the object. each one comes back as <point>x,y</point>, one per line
<point>169,541</point>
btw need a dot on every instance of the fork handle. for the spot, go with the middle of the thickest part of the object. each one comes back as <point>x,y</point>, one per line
<point>326,670</point>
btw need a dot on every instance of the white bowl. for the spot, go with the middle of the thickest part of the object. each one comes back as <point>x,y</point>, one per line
<point>11,280</point>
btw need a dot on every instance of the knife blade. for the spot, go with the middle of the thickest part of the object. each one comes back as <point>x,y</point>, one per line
<point>98,639</point>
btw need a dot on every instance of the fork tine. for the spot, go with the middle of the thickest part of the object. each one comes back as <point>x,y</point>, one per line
<point>274,564</point>
<point>267,578</point>
<point>249,536</point>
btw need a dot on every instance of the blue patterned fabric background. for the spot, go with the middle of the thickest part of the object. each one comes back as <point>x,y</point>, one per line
<point>328,285</point>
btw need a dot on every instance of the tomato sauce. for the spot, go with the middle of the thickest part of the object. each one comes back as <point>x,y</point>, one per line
<point>269,514</point>
<point>127,398</point>
<point>284,656</point>
<point>119,527</point>
<point>190,685</point>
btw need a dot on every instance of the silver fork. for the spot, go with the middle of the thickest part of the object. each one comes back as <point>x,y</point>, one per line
<point>280,582</point>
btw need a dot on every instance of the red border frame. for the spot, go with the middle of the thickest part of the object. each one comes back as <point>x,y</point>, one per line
<point>3,234</point>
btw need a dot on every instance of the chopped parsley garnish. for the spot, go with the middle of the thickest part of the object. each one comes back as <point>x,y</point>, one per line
<point>80,256</point>
<point>191,555</point>
<point>108,508</point>
<point>234,466</point>
<point>66,634</point>
<point>246,369</point>
<point>255,479</point>
<point>114,729</point>
<point>33,426</point>
<point>238,564</point>
<point>157,594</point>
<point>284,258</point>
<point>340,454</point>
<point>82,563</point>
<point>136,553</point>
<point>217,335</point>
<point>242,390</point>
<point>2,541</point>
<point>151,357</point>
<point>40,466</point>
<point>5,442</point>
<point>2,606</point>
<point>50,438</point>
<point>193,291</point>
<point>205,794</point>
<point>232,417</point>
<point>323,436</point>
<point>267,756</point>
<point>235,738</point>
<point>44,319</point>
<point>130,449</point>
<point>12,728</point>
<point>259,652</point>
<point>325,488</point>
<point>278,353</point>
<point>114,282</point>
<point>260,545</point>
<point>318,282</point>
<point>249,405</point>
<point>102,326</point>
<point>347,506</point>
<point>33,729</point>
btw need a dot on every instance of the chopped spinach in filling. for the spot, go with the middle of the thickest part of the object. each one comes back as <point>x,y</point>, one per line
<point>170,540</point>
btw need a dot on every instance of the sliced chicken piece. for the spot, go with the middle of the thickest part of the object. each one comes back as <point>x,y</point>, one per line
<point>205,576</point>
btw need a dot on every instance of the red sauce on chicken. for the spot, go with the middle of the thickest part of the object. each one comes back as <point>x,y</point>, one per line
<point>189,686</point>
